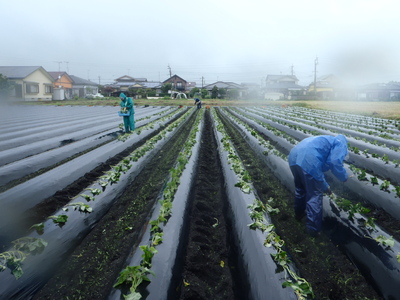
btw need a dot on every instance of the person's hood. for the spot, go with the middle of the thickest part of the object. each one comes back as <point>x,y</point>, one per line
<point>122,96</point>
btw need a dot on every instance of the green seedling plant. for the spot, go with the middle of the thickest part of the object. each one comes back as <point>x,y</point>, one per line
<point>148,253</point>
<point>13,260</point>
<point>22,247</point>
<point>79,206</point>
<point>362,176</point>
<point>88,198</point>
<point>137,274</point>
<point>301,287</point>
<point>374,180</point>
<point>133,276</point>
<point>39,228</point>
<point>59,220</point>
<point>382,240</point>
<point>29,245</point>
<point>385,185</point>
<point>157,238</point>
<point>385,158</point>
<point>351,208</point>
<point>94,192</point>
<point>397,190</point>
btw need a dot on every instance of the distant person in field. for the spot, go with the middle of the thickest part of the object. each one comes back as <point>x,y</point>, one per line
<point>308,161</point>
<point>198,102</point>
<point>127,104</point>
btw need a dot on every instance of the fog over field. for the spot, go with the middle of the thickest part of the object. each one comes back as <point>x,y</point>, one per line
<point>205,41</point>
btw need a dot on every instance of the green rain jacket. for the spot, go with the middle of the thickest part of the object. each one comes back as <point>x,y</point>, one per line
<point>127,102</point>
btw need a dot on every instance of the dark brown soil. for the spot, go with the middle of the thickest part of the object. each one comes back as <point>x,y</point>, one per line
<point>209,270</point>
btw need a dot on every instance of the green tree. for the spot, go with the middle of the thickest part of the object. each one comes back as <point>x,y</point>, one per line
<point>222,93</point>
<point>5,85</point>
<point>141,93</point>
<point>204,93</point>
<point>193,92</point>
<point>214,92</point>
<point>166,87</point>
<point>233,94</point>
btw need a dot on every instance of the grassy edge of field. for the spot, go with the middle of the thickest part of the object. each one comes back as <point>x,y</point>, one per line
<point>378,109</point>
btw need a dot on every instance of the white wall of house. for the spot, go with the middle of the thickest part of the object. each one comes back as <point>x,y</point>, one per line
<point>273,96</point>
<point>36,87</point>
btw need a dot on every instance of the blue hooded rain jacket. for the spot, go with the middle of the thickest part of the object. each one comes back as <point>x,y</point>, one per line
<point>308,161</point>
<point>318,154</point>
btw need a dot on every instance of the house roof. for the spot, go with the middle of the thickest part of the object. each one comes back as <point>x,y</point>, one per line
<point>127,78</point>
<point>80,81</point>
<point>57,75</point>
<point>174,76</point>
<point>224,85</point>
<point>281,77</point>
<point>284,85</point>
<point>143,84</point>
<point>18,72</point>
<point>391,86</point>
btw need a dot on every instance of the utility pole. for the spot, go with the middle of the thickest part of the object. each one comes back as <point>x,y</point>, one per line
<point>99,80</point>
<point>170,71</point>
<point>315,77</point>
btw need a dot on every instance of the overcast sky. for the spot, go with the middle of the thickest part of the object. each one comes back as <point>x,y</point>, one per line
<point>238,41</point>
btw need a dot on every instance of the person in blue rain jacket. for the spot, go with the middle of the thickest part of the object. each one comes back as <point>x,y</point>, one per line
<point>129,122</point>
<point>308,161</point>
<point>197,102</point>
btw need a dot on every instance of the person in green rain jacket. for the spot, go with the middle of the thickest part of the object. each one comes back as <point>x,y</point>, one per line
<point>127,103</point>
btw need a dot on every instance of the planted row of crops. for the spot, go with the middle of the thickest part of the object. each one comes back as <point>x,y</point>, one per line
<point>111,219</point>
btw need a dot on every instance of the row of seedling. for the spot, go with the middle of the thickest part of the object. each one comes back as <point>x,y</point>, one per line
<point>301,287</point>
<point>135,275</point>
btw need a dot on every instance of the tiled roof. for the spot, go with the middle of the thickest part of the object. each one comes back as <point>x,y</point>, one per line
<point>17,72</point>
<point>224,85</point>
<point>80,81</point>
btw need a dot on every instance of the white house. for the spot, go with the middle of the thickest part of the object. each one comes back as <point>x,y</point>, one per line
<point>31,83</point>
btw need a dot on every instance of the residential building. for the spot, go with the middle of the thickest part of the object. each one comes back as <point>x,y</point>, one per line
<point>233,90</point>
<point>62,85</point>
<point>379,92</point>
<point>178,83</point>
<point>31,83</point>
<point>82,87</point>
<point>282,87</point>
<point>127,84</point>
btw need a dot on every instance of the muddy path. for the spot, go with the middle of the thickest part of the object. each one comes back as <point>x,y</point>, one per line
<point>209,267</point>
<point>331,274</point>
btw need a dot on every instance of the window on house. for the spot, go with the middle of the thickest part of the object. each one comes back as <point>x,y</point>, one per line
<point>179,84</point>
<point>32,88</point>
<point>48,89</point>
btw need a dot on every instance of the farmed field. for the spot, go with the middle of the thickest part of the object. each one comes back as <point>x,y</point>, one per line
<point>194,203</point>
